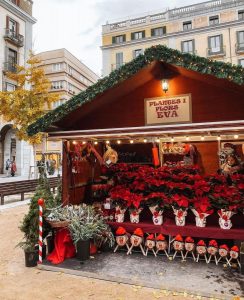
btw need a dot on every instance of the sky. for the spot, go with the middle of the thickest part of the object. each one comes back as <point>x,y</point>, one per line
<point>77,24</point>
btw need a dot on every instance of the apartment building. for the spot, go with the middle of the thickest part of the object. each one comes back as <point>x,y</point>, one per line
<point>16,23</point>
<point>213,29</point>
<point>68,75</point>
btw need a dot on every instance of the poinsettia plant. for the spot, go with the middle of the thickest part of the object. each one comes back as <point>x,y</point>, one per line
<point>119,196</point>
<point>202,205</point>
<point>179,202</point>
<point>158,199</point>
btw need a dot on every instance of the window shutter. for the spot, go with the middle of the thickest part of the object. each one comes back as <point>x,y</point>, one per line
<point>152,32</point>
<point>221,43</point>
<point>7,22</point>
<point>193,46</point>
<point>113,40</point>
<point>164,30</point>
<point>143,34</point>
<point>134,54</point>
<point>182,46</point>
<point>209,44</point>
<point>238,37</point>
<point>132,36</point>
<point>17,28</point>
<point>124,37</point>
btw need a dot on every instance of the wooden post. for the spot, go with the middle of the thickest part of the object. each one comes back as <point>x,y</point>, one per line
<point>65,174</point>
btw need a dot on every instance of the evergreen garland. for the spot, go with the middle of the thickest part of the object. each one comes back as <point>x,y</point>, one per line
<point>161,53</point>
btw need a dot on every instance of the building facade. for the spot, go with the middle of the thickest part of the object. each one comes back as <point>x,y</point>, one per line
<point>67,74</point>
<point>213,29</point>
<point>16,23</point>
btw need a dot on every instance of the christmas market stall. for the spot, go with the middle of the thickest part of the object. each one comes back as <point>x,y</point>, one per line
<point>157,147</point>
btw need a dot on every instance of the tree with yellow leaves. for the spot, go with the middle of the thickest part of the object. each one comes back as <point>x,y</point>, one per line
<point>29,101</point>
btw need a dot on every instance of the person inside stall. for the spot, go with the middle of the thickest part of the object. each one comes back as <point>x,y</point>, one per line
<point>231,165</point>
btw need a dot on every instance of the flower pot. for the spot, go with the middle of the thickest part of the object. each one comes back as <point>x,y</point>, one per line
<point>119,215</point>
<point>157,215</point>
<point>31,258</point>
<point>201,218</point>
<point>135,216</point>
<point>83,249</point>
<point>180,216</point>
<point>225,218</point>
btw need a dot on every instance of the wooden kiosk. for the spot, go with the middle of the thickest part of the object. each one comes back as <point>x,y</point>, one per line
<point>160,97</point>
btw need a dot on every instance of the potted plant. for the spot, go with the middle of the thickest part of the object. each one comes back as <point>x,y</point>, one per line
<point>156,202</point>
<point>119,196</point>
<point>201,208</point>
<point>85,227</point>
<point>180,206</point>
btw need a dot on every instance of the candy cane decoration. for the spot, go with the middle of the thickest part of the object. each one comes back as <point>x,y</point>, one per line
<point>40,203</point>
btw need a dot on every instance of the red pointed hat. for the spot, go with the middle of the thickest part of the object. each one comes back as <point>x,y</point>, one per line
<point>189,240</point>
<point>179,238</point>
<point>235,248</point>
<point>213,243</point>
<point>201,243</point>
<point>138,232</point>
<point>224,247</point>
<point>160,237</point>
<point>120,231</point>
<point>151,237</point>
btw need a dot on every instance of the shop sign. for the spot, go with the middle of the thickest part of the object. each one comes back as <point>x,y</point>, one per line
<point>163,110</point>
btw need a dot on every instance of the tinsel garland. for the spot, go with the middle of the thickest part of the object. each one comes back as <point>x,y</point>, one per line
<point>162,53</point>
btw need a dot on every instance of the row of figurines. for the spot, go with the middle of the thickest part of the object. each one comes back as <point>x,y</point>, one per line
<point>180,217</point>
<point>185,248</point>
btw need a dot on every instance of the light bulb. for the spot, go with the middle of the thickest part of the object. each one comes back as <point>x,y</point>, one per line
<point>118,142</point>
<point>107,142</point>
<point>131,141</point>
<point>202,138</point>
<point>145,140</point>
<point>236,136</point>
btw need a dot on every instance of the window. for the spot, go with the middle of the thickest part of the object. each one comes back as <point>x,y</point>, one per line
<point>241,62</point>
<point>158,31</point>
<point>57,67</point>
<point>12,60</point>
<point>215,44</point>
<point>137,52</point>
<point>240,40</point>
<point>10,87</point>
<point>188,46</point>
<point>214,20</point>
<point>241,15</point>
<point>119,39</point>
<point>12,25</point>
<point>187,25</point>
<point>119,60</point>
<point>57,85</point>
<point>138,35</point>
<point>70,70</point>
<point>58,103</point>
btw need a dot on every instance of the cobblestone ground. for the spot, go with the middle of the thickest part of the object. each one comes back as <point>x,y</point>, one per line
<point>20,283</point>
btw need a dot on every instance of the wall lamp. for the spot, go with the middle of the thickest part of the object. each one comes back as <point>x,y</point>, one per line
<point>165,85</point>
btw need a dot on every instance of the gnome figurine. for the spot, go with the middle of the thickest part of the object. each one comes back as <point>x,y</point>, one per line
<point>234,254</point>
<point>178,245</point>
<point>190,247</point>
<point>121,238</point>
<point>161,244</point>
<point>223,253</point>
<point>201,250</point>
<point>136,240</point>
<point>212,251</point>
<point>150,244</point>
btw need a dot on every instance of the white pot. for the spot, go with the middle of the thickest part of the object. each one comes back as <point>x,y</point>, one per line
<point>119,215</point>
<point>135,216</point>
<point>158,220</point>
<point>224,218</point>
<point>201,219</point>
<point>180,216</point>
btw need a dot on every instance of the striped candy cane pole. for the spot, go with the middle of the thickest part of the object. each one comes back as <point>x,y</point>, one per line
<point>40,203</point>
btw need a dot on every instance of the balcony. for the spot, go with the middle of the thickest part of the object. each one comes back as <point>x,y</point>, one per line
<point>193,52</point>
<point>240,48</point>
<point>10,67</point>
<point>14,38</point>
<point>216,51</point>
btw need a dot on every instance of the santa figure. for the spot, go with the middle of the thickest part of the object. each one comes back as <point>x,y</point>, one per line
<point>190,247</point>
<point>201,250</point>
<point>161,244</point>
<point>223,253</point>
<point>136,240</point>
<point>150,244</point>
<point>178,245</point>
<point>121,238</point>
<point>234,254</point>
<point>212,251</point>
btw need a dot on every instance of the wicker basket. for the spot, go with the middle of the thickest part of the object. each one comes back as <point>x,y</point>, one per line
<point>58,224</point>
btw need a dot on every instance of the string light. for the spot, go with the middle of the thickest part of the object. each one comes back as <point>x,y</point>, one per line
<point>107,142</point>
<point>131,141</point>
<point>219,138</point>
<point>236,136</point>
<point>187,138</point>
<point>118,142</point>
<point>84,142</point>
<point>74,142</point>
<point>202,138</point>
<point>95,143</point>
<point>145,140</point>
<point>157,140</point>
<point>172,139</point>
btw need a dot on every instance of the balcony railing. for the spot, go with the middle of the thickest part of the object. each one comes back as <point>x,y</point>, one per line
<point>193,52</point>
<point>216,51</point>
<point>240,47</point>
<point>14,37</point>
<point>10,67</point>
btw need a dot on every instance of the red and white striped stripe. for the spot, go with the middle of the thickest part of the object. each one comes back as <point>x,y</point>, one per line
<point>40,203</point>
